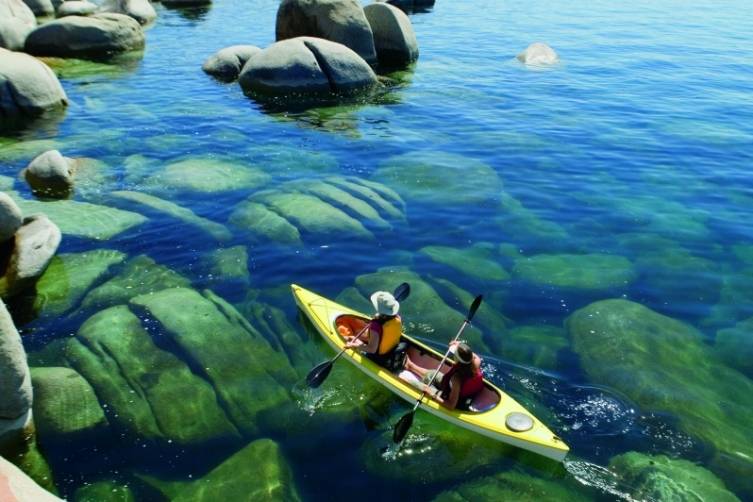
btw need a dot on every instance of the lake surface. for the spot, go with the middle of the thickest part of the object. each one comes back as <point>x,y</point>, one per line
<point>623,172</point>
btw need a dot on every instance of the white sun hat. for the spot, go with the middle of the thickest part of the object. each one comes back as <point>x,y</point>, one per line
<point>384,303</point>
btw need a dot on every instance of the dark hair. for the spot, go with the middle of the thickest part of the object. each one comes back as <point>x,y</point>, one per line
<point>464,352</point>
<point>383,318</point>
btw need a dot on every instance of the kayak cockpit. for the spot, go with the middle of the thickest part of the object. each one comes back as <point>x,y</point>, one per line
<point>425,357</point>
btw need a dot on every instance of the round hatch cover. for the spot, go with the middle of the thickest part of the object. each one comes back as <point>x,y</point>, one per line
<point>518,422</point>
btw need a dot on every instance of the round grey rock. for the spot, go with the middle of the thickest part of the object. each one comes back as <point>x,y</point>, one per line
<point>36,243</point>
<point>410,6</point>
<point>27,86</point>
<point>141,10</point>
<point>15,380</point>
<point>41,7</point>
<point>227,63</point>
<point>50,174</point>
<point>538,53</point>
<point>394,38</point>
<point>10,217</point>
<point>76,8</point>
<point>98,36</point>
<point>306,67</point>
<point>341,21</point>
<point>16,22</point>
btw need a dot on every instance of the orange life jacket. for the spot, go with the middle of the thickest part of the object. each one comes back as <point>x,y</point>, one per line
<point>389,334</point>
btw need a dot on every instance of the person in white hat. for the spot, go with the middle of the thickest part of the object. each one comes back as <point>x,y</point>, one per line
<point>384,330</point>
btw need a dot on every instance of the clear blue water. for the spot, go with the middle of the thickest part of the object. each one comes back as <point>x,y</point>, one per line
<point>639,141</point>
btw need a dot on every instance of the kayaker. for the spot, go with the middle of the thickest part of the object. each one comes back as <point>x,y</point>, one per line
<point>384,330</point>
<point>461,383</point>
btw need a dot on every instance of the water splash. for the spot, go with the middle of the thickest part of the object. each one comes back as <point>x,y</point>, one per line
<point>600,478</point>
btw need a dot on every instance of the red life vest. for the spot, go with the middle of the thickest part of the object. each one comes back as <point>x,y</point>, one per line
<point>470,386</point>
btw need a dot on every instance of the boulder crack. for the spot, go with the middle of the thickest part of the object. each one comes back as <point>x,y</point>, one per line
<point>326,69</point>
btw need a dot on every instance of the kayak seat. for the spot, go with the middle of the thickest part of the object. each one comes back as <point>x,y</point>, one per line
<point>394,360</point>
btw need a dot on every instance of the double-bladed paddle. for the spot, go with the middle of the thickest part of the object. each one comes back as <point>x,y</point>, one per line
<point>405,422</point>
<point>321,371</point>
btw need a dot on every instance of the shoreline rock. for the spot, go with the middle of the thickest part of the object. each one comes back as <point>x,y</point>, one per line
<point>27,86</point>
<point>16,22</point>
<point>394,39</point>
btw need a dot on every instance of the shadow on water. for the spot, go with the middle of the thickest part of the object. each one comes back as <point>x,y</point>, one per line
<point>194,13</point>
<point>45,124</point>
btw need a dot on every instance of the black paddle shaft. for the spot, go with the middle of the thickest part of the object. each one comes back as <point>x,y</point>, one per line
<point>405,422</point>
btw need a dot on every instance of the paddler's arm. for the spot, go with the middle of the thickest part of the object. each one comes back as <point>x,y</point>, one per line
<point>372,344</point>
<point>452,400</point>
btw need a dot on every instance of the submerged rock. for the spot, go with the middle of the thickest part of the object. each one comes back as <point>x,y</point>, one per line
<point>341,21</point>
<point>69,277</point>
<point>535,345</point>
<point>65,405</point>
<point>735,346</point>
<point>15,380</point>
<point>92,37</point>
<point>16,22</point>
<point>27,86</point>
<point>227,63</point>
<point>149,392</point>
<point>140,276</point>
<point>214,229</point>
<point>82,219</point>
<point>394,39</point>
<point>76,8</point>
<point>251,378</point>
<point>515,486</point>
<point>306,67</point>
<point>579,271</point>
<point>524,226</point>
<point>538,53</point>
<point>479,261</point>
<point>11,218</point>
<point>265,223</point>
<point>104,491</point>
<point>51,174</point>
<point>658,477</point>
<point>140,10</point>
<point>432,177</point>
<point>208,175</point>
<point>664,366</point>
<point>36,243</point>
<point>229,264</point>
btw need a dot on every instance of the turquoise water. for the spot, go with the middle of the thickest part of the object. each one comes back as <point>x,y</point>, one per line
<point>622,172</point>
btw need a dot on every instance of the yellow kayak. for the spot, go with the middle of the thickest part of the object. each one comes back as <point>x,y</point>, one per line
<point>492,413</point>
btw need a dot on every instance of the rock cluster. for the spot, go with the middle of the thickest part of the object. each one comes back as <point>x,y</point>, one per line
<point>27,86</point>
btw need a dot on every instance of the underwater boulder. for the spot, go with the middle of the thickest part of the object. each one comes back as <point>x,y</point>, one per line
<point>394,39</point>
<point>70,276</point>
<point>207,175</point>
<point>341,21</point>
<point>50,174</point>
<point>104,491</point>
<point>525,226</point>
<point>735,297</point>
<point>265,223</point>
<point>578,271</point>
<point>250,377</point>
<point>383,198</point>
<point>533,345</point>
<point>27,86</point>
<point>516,486</point>
<point>479,261</point>
<point>36,242</point>
<point>140,276</point>
<point>11,218</point>
<point>538,54</point>
<point>306,67</point>
<point>65,406</point>
<point>735,346</point>
<point>216,230</point>
<point>664,366</point>
<point>658,477</point>
<point>91,37</point>
<point>229,264</point>
<point>440,178</point>
<point>15,380</point>
<point>227,63</point>
<point>16,22</point>
<point>149,392</point>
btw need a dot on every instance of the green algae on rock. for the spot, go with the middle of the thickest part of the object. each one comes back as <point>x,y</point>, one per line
<point>534,345</point>
<point>380,196</point>
<point>18,151</point>
<point>735,298</point>
<point>104,491</point>
<point>208,175</point>
<point>578,271</point>
<point>522,225</point>
<point>285,160</point>
<point>513,486</point>
<point>251,379</point>
<point>140,275</point>
<point>658,477</point>
<point>82,219</point>
<point>229,264</point>
<point>475,261</point>
<point>487,317</point>
<point>216,230</point>
<point>143,386</point>
<point>69,277</point>
<point>435,177</point>
<point>735,346</point>
<point>663,365</point>
<point>31,461</point>
<point>65,405</point>
<point>259,471</point>
<point>264,223</point>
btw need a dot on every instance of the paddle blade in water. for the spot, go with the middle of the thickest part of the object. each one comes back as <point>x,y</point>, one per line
<point>402,426</point>
<point>474,307</point>
<point>319,374</point>
<point>401,292</point>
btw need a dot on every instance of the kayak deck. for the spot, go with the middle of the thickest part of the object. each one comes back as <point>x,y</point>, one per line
<point>492,413</point>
